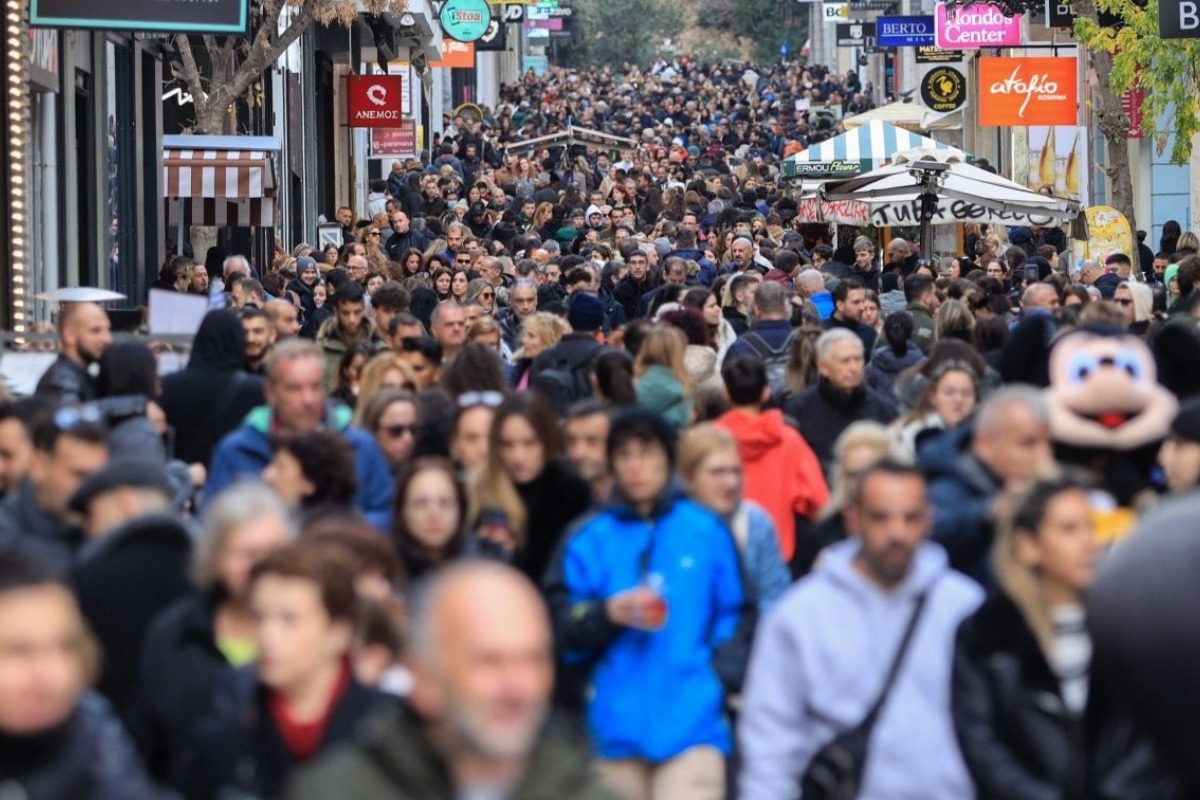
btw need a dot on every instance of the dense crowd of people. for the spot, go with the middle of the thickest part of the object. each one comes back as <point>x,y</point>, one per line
<point>588,474</point>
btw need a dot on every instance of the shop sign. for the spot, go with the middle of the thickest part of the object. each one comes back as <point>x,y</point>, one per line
<point>1028,91</point>
<point>1179,19</point>
<point>904,31</point>
<point>465,20</point>
<point>1059,14</point>
<point>821,169</point>
<point>398,142</point>
<point>855,34</point>
<point>456,55</point>
<point>944,89</point>
<point>181,16</point>
<point>936,55</point>
<point>375,100</point>
<point>975,26</point>
<point>835,12</point>
<point>1131,104</point>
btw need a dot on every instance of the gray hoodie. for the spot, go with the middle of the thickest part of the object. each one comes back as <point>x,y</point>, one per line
<point>819,662</point>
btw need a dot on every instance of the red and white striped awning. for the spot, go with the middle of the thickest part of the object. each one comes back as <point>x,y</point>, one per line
<point>219,187</point>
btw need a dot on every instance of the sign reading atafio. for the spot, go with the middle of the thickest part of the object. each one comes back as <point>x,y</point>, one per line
<point>180,16</point>
<point>1028,91</point>
<point>375,100</point>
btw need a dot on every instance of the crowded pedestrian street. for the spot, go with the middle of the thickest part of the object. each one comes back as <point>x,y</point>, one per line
<point>689,428</point>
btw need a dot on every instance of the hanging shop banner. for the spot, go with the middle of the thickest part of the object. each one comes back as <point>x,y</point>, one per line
<point>835,12</point>
<point>456,55</point>
<point>936,55</point>
<point>975,26</point>
<point>1059,14</point>
<point>944,89</point>
<point>376,101</point>
<point>1179,19</point>
<point>465,20</point>
<point>904,31</point>
<point>495,38</point>
<point>398,142</point>
<point>1131,104</point>
<point>855,34</point>
<point>1053,158</point>
<point>180,16</point>
<point>1028,91</point>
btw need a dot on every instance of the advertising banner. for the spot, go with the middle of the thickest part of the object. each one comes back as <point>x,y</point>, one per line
<point>180,16</point>
<point>398,142</point>
<point>1020,92</point>
<point>975,26</point>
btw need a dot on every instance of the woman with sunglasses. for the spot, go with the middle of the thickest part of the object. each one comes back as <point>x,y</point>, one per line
<point>392,416</point>
<point>471,427</point>
<point>525,496</point>
<point>482,292</point>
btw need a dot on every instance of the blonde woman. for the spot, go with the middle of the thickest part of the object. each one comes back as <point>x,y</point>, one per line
<point>539,332</point>
<point>1023,669</point>
<point>660,377</point>
<point>386,370</point>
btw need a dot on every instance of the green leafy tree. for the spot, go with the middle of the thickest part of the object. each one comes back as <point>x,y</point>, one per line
<point>612,32</point>
<point>1165,69</point>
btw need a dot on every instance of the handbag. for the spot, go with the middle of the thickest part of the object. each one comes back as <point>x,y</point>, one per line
<point>835,772</point>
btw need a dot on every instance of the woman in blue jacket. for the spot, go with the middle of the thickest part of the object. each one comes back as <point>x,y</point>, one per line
<point>649,592</point>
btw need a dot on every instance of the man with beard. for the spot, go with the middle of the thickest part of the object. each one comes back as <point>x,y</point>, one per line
<point>260,336</point>
<point>881,597</point>
<point>83,333</point>
<point>474,724</point>
<point>348,326</point>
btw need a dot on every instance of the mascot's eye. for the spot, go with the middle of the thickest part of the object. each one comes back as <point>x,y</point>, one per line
<point>1082,367</point>
<point>1128,361</point>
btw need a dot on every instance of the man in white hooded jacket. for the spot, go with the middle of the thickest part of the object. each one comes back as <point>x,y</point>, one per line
<point>821,658</point>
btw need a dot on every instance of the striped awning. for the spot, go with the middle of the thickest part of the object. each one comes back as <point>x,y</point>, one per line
<point>219,185</point>
<point>865,148</point>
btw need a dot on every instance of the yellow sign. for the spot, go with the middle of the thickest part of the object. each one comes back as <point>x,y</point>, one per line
<point>1108,233</point>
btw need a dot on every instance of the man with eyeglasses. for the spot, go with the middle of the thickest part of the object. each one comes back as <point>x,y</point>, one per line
<point>69,445</point>
<point>404,237</point>
<point>358,267</point>
<point>83,334</point>
<point>297,403</point>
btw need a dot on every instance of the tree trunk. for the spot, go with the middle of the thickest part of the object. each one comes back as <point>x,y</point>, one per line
<point>1111,120</point>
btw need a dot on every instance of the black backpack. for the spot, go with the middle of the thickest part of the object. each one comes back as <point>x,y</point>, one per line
<point>566,380</point>
<point>775,360</point>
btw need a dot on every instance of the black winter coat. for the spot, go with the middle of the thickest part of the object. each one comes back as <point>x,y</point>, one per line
<point>87,758</point>
<point>239,751</point>
<point>180,667</point>
<point>553,500</point>
<point>124,581</point>
<point>213,395</point>
<point>1018,738</point>
<point>822,412</point>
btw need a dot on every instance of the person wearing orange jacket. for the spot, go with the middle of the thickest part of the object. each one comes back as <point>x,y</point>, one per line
<point>782,472</point>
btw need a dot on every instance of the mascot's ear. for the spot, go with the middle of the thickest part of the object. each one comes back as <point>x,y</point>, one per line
<point>1177,352</point>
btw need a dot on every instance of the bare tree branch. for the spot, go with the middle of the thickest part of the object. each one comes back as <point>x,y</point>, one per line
<point>191,75</point>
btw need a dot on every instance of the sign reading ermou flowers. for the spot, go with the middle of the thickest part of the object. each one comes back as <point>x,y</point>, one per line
<point>975,26</point>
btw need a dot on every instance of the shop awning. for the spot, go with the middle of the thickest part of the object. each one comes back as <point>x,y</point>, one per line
<point>220,180</point>
<point>861,150</point>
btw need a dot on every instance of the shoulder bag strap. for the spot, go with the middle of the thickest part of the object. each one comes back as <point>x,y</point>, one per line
<point>897,661</point>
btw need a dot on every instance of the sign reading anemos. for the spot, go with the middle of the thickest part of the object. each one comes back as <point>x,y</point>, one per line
<point>975,26</point>
<point>1028,91</point>
<point>375,100</point>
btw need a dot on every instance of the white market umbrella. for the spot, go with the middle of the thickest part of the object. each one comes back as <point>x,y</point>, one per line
<point>965,194</point>
<point>80,294</point>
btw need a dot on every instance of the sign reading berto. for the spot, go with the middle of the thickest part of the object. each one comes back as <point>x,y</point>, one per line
<point>904,31</point>
<point>975,26</point>
<point>185,16</point>
<point>465,20</point>
<point>1028,91</point>
<point>375,100</point>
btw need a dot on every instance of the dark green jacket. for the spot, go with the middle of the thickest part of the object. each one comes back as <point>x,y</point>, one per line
<point>393,760</point>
